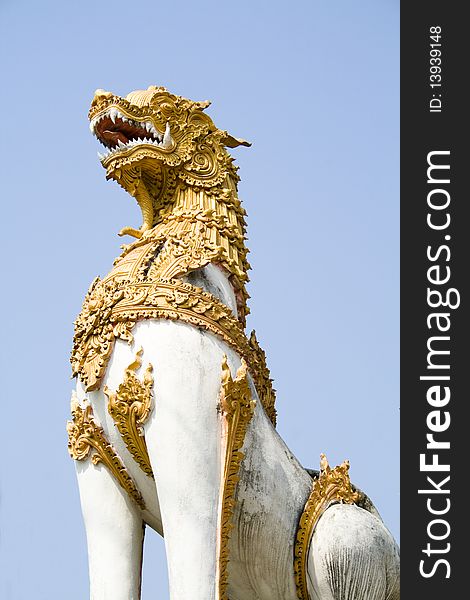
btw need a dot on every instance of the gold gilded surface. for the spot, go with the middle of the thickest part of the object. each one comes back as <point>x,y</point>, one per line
<point>332,486</point>
<point>186,188</point>
<point>195,230</point>
<point>86,438</point>
<point>112,307</point>
<point>130,406</point>
<point>237,408</point>
<point>197,146</point>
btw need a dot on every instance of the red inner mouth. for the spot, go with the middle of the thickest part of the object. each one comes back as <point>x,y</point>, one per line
<point>110,133</point>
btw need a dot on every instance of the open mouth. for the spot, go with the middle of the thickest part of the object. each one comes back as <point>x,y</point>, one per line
<point>118,133</point>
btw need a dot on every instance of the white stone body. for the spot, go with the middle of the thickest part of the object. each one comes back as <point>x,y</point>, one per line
<point>352,555</point>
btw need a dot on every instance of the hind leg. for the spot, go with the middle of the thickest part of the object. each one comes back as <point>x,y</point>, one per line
<point>352,556</point>
<point>115,534</point>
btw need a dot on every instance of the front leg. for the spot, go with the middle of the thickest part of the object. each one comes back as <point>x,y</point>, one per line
<point>115,534</point>
<point>113,523</point>
<point>183,438</point>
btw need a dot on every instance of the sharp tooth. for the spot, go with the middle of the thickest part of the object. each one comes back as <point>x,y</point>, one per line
<point>167,139</point>
<point>100,156</point>
<point>121,144</point>
<point>113,113</point>
<point>92,127</point>
<point>125,119</point>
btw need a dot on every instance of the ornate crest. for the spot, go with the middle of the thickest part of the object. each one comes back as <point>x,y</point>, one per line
<point>331,487</point>
<point>130,406</point>
<point>237,408</point>
<point>87,438</point>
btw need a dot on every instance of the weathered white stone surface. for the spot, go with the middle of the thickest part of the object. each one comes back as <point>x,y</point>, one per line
<point>352,555</point>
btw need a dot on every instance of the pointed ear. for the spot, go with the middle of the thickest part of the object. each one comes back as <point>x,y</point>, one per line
<point>233,142</point>
<point>204,104</point>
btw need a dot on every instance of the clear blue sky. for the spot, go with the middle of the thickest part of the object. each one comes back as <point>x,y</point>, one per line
<point>314,86</point>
